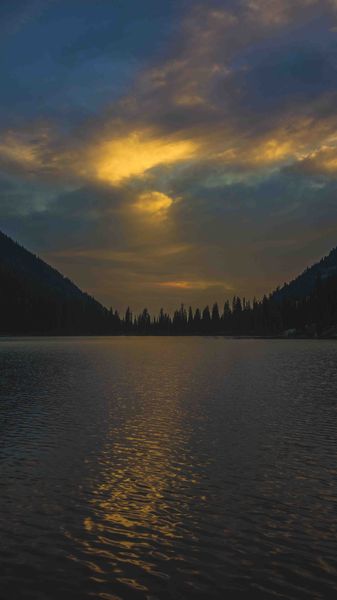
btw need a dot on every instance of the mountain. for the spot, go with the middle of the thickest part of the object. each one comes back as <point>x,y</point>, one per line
<point>304,284</point>
<point>37,299</point>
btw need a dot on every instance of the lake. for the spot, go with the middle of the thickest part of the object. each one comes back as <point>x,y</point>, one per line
<point>168,468</point>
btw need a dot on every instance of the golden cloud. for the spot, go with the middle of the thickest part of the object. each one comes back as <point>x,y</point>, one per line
<point>153,204</point>
<point>296,141</point>
<point>266,152</point>
<point>132,155</point>
<point>301,140</point>
<point>180,84</point>
<point>321,162</point>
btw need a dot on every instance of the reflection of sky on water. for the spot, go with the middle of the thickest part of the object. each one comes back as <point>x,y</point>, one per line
<point>144,466</point>
<point>151,468</point>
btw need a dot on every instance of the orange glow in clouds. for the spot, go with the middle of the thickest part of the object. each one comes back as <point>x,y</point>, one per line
<point>135,154</point>
<point>195,285</point>
<point>154,204</point>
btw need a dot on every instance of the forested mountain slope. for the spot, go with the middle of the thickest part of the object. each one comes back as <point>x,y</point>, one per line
<point>35,298</point>
<point>304,284</point>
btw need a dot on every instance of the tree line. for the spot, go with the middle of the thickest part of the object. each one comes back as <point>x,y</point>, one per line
<point>28,306</point>
<point>314,314</point>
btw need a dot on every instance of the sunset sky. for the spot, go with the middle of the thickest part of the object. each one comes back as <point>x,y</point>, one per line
<point>159,152</point>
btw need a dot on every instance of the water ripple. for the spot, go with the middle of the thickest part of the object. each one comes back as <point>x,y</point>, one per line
<point>168,468</point>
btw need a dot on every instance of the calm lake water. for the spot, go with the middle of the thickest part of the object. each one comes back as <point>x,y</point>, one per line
<point>168,468</point>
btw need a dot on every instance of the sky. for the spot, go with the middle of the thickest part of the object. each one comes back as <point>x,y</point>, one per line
<point>167,152</point>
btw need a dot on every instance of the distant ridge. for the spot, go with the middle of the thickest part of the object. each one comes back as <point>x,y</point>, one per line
<point>36,298</point>
<point>303,285</point>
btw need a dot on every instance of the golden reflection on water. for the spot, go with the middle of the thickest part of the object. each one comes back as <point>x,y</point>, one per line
<point>142,466</point>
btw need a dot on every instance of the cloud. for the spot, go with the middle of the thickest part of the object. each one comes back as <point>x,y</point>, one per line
<point>212,246</point>
<point>197,285</point>
<point>322,162</point>
<point>280,13</point>
<point>21,150</point>
<point>225,147</point>
<point>153,204</point>
<point>134,154</point>
<point>231,91</point>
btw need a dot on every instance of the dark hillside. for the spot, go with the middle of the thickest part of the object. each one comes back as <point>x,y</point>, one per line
<point>304,284</point>
<point>37,299</point>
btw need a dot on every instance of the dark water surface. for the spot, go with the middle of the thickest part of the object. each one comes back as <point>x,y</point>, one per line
<point>168,468</point>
